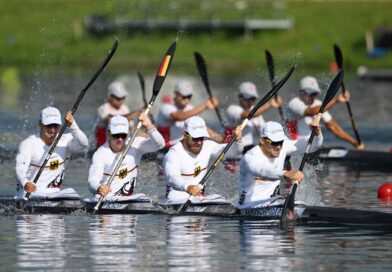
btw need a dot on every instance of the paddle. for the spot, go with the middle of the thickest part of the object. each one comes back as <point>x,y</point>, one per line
<point>65,125</point>
<point>289,202</point>
<point>339,61</point>
<point>159,79</point>
<point>142,85</point>
<point>201,66</point>
<point>271,70</point>
<point>264,100</point>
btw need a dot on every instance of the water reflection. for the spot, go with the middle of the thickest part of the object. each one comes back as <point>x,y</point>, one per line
<point>189,244</point>
<point>40,242</point>
<point>112,242</point>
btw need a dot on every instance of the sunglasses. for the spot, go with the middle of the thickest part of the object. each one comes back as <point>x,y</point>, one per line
<point>118,98</point>
<point>52,126</point>
<point>268,140</point>
<point>186,96</point>
<point>198,139</point>
<point>119,135</point>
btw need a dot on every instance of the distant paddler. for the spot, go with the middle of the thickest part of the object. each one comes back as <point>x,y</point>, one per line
<point>186,162</point>
<point>236,113</point>
<point>105,159</point>
<point>304,107</point>
<point>171,116</point>
<point>115,105</point>
<point>261,168</point>
<point>32,152</point>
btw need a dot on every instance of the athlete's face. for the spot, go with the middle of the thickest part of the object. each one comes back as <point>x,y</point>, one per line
<point>193,145</point>
<point>247,103</point>
<point>49,132</point>
<point>181,101</point>
<point>117,141</point>
<point>270,149</point>
<point>116,102</point>
<point>308,98</point>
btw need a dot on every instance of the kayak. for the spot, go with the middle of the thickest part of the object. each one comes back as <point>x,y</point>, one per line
<point>303,214</point>
<point>361,159</point>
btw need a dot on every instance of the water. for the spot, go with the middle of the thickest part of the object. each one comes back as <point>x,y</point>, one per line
<point>81,242</point>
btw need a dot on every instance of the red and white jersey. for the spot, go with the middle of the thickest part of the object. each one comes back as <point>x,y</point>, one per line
<point>171,130</point>
<point>260,176</point>
<point>106,109</point>
<point>105,160</point>
<point>183,168</point>
<point>32,153</point>
<point>251,131</point>
<point>297,123</point>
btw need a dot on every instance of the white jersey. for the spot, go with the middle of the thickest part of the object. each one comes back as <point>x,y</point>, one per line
<point>105,160</point>
<point>260,176</point>
<point>171,130</point>
<point>297,123</point>
<point>252,128</point>
<point>183,168</point>
<point>32,153</point>
<point>105,109</point>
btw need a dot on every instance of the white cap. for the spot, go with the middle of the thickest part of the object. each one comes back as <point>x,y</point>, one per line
<point>309,85</point>
<point>273,131</point>
<point>196,127</point>
<point>118,125</point>
<point>50,115</point>
<point>117,89</point>
<point>248,90</point>
<point>184,87</point>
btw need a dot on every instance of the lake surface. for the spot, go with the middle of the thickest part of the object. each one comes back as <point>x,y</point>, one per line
<point>82,242</point>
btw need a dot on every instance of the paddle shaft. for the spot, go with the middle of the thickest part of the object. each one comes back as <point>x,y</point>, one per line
<point>339,61</point>
<point>264,100</point>
<point>142,85</point>
<point>202,68</point>
<point>75,106</point>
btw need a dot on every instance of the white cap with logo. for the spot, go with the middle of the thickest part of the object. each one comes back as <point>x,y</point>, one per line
<point>196,127</point>
<point>273,131</point>
<point>184,87</point>
<point>117,89</point>
<point>309,85</point>
<point>118,125</point>
<point>248,90</point>
<point>50,115</point>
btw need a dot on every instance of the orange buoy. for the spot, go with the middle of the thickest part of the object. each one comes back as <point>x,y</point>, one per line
<point>385,192</point>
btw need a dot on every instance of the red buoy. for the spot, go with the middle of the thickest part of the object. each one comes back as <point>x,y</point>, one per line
<point>385,192</point>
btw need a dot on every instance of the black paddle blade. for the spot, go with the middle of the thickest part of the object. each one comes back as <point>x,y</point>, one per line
<point>332,89</point>
<point>338,55</point>
<point>202,68</point>
<point>270,66</point>
<point>163,70</point>
<point>288,207</point>
<point>142,85</point>
<point>271,93</point>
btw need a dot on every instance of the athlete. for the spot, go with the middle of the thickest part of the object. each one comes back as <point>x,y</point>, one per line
<point>105,159</point>
<point>186,162</point>
<point>33,151</point>
<point>261,168</point>
<point>171,116</point>
<point>114,106</point>
<point>236,113</point>
<point>301,110</point>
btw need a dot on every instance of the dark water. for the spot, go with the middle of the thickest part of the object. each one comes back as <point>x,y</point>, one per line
<point>81,242</point>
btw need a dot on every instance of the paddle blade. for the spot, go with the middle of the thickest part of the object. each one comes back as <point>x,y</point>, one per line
<point>271,93</point>
<point>288,207</point>
<point>183,206</point>
<point>202,68</point>
<point>338,56</point>
<point>163,69</point>
<point>332,89</point>
<point>142,84</point>
<point>270,66</point>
